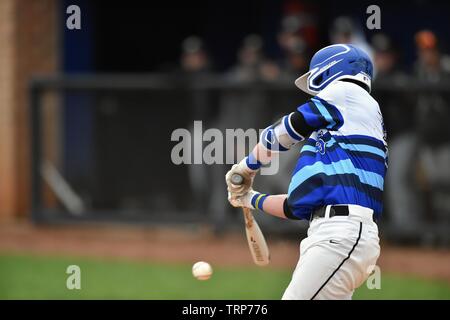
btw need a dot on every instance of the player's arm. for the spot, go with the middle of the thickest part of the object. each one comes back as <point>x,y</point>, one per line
<point>275,205</point>
<point>317,113</point>
<point>279,137</point>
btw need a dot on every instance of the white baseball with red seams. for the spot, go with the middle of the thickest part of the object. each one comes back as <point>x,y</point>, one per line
<point>202,270</point>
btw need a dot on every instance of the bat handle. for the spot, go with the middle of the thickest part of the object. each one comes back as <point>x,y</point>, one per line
<point>237,179</point>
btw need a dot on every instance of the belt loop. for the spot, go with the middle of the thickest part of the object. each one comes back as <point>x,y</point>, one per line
<point>327,211</point>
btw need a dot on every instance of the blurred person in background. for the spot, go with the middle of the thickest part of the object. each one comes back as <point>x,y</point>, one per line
<point>398,110</point>
<point>251,69</point>
<point>433,118</point>
<point>344,30</point>
<point>294,48</point>
<point>295,59</point>
<point>194,57</point>
<point>299,18</point>
<point>194,65</point>
<point>289,33</point>
<point>295,62</point>
<point>252,64</point>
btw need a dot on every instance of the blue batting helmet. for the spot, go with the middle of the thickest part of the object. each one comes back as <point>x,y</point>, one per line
<point>335,62</point>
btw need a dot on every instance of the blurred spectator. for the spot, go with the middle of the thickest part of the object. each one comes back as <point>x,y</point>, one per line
<point>249,59</point>
<point>397,108</point>
<point>433,108</point>
<point>195,64</point>
<point>296,61</point>
<point>433,118</point>
<point>241,109</point>
<point>294,48</point>
<point>343,30</point>
<point>300,19</point>
<point>401,193</point>
<point>252,65</point>
<point>194,58</point>
<point>385,54</point>
<point>290,28</point>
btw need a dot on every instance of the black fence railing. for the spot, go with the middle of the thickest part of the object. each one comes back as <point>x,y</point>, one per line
<point>101,148</point>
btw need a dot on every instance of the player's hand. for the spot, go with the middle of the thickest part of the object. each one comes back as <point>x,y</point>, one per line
<point>244,201</point>
<point>243,170</point>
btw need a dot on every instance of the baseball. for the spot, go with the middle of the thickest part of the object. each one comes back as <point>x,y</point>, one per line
<point>202,270</point>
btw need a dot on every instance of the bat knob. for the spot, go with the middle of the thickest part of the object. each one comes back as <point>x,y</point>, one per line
<point>237,179</point>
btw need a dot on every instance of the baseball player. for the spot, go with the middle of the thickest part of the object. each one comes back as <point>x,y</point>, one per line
<point>337,183</point>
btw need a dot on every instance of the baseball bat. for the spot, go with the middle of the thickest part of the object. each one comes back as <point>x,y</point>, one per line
<point>255,238</point>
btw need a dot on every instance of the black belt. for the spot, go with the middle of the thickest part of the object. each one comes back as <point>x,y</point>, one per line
<point>338,210</point>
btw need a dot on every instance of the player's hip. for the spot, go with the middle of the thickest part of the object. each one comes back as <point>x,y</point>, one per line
<point>342,233</point>
<point>336,257</point>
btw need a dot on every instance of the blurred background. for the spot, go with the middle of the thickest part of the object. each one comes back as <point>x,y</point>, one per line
<point>86,123</point>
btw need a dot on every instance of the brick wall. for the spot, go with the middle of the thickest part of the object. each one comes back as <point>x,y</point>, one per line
<point>7,117</point>
<point>28,46</point>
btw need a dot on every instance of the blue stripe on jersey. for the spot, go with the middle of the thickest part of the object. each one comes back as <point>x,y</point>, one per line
<point>290,130</point>
<point>339,167</point>
<point>363,152</point>
<point>330,112</point>
<point>358,147</point>
<point>347,180</point>
<point>319,114</point>
<point>314,199</point>
<point>310,146</point>
<point>337,154</point>
<point>324,112</point>
<point>332,109</point>
<point>358,139</point>
<point>312,117</point>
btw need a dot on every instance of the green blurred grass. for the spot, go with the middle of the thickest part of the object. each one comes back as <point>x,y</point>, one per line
<point>42,277</point>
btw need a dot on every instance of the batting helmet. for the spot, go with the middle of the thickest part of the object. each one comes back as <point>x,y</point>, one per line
<point>336,62</point>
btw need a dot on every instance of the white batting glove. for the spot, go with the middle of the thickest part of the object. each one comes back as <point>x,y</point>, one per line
<point>244,201</point>
<point>243,170</point>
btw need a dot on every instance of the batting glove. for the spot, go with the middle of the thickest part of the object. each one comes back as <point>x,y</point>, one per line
<point>246,172</point>
<point>244,201</point>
